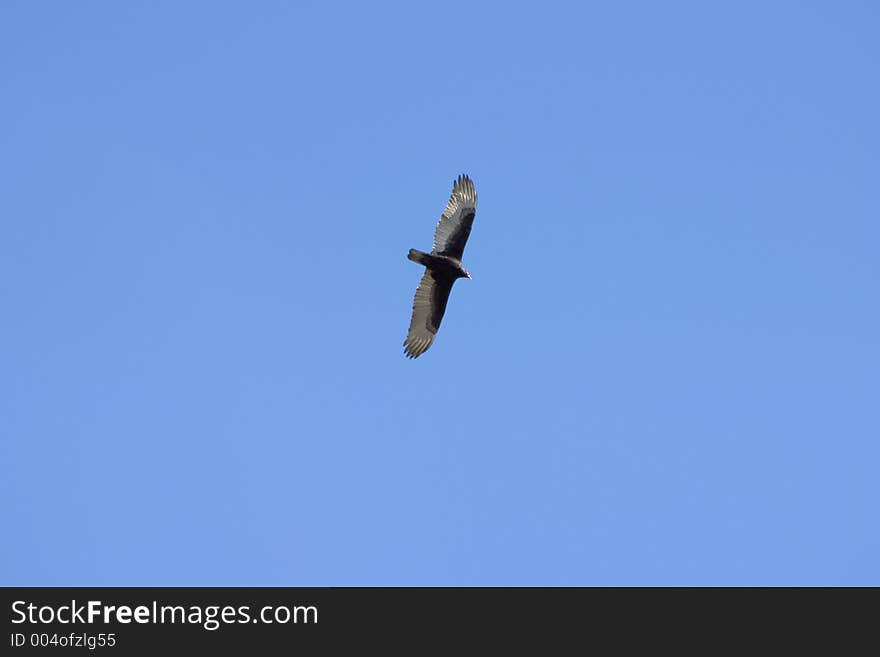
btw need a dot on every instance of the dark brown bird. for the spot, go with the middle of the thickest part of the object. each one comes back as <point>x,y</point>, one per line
<point>442,267</point>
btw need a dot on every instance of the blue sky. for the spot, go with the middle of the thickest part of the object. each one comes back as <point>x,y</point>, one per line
<point>665,368</point>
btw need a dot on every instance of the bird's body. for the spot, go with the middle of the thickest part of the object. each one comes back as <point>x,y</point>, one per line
<point>442,267</point>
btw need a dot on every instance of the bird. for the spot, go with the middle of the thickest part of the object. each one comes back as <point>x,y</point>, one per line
<point>442,267</point>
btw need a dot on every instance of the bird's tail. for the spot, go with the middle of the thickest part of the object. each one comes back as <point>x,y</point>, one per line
<point>418,256</point>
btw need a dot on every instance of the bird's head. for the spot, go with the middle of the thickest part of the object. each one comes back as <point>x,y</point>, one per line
<point>466,275</point>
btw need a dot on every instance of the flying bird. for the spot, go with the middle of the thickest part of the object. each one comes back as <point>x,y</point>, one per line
<point>442,267</point>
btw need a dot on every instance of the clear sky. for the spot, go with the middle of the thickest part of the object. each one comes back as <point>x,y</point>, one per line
<point>666,369</point>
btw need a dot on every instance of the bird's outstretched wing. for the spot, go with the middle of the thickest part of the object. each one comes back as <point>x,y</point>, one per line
<point>429,305</point>
<point>455,223</point>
